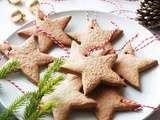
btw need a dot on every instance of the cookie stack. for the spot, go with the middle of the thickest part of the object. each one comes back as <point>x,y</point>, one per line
<point>95,73</point>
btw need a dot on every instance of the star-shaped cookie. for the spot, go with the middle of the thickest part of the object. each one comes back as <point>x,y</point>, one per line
<point>55,27</point>
<point>94,69</point>
<point>128,65</point>
<point>109,101</point>
<point>96,38</point>
<point>29,56</point>
<point>68,96</point>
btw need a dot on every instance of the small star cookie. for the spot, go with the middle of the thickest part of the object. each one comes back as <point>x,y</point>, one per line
<point>110,101</point>
<point>29,56</point>
<point>128,66</point>
<point>55,27</point>
<point>96,38</point>
<point>68,96</point>
<point>94,69</point>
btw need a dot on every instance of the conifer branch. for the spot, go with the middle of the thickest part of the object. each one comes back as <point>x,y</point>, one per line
<point>32,110</point>
<point>20,101</point>
<point>8,67</point>
<point>53,67</point>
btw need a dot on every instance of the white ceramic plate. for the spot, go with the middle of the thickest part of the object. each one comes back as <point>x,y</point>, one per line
<point>150,80</point>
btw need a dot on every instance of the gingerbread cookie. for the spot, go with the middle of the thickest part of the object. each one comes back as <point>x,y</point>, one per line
<point>128,66</point>
<point>109,100</point>
<point>68,96</point>
<point>55,27</point>
<point>94,69</point>
<point>96,38</point>
<point>29,56</point>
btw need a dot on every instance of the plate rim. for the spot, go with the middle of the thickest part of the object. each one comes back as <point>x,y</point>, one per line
<point>80,11</point>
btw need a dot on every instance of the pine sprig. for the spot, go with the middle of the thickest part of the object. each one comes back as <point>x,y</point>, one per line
<point>32,110</point>
<point>32,106</point>
<point>20,101</point>
<point>8,67</point>
<point>43,110</point>
<point>53,67</point>
<point>47,107</point>
<point>51,85</point>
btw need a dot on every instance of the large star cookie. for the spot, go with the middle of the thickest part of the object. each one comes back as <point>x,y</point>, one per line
<point>110,101</point>
<point>94,69</point>
<point>29,55</point>
<point>128,66</point>
<point>55,27</point>
<point>96,38</point>
<point>68,96</point>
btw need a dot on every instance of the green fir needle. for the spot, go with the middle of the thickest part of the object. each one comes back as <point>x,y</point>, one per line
<point>33,108</point>
<point>8,67</point>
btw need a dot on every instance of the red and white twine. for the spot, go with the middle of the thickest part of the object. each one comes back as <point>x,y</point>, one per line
<point>150,39</point>
<point>102,45</point>
<point>49,4</point>
<point>140,106</point>
<point>50,36</point>
<point>16,85</point>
